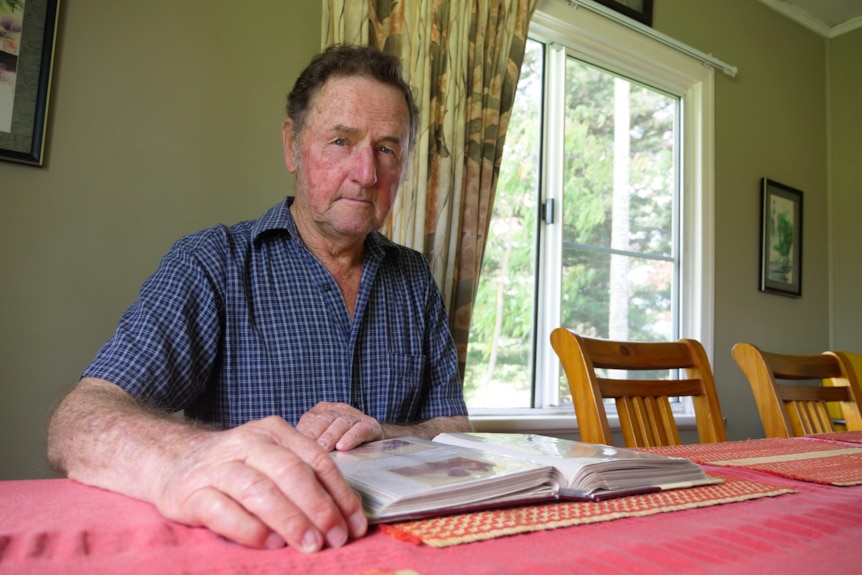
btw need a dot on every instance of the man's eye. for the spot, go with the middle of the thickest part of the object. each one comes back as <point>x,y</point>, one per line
<point>386,150</point>
<point>340,142</point>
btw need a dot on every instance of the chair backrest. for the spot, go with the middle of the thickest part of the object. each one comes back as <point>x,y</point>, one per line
<point>851,361</point>
<point>643,404</point>
<point>796,409</point>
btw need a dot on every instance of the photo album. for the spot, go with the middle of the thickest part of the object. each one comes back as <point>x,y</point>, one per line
<point>408,478</point>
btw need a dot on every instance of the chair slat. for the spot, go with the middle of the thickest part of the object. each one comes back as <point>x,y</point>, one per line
<point>632,355</point>
<point>644,388</point>
<point>788,410</point>
<point>785,366</point>
<point>812,393</point>
<point>643,406</point>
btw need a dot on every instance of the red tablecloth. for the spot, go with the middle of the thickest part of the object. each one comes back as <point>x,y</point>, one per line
<point>60,526</point>
<point>832,461</point>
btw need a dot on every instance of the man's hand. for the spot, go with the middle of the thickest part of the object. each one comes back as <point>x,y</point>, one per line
<point>263,484</point>
<point>342,427</point>
<point>338,426</point>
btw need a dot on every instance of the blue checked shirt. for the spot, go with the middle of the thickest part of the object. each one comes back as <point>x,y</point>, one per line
<point>242,322</point>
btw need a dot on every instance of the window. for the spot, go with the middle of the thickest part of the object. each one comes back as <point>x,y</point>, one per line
<point>602,218</point>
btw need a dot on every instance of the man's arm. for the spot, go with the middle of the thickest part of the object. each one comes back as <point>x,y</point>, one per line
<point>261,484</point>
<point>341,426</point>
<point>429,428</point>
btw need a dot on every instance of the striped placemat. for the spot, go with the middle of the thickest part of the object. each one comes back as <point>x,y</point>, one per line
<point>478,526</point>
<point>794,458</point>
<point>839,436</point>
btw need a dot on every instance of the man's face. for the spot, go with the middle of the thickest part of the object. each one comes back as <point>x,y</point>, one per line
<point>350,157</point>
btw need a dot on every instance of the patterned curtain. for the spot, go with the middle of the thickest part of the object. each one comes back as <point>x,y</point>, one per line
<point>463,59</point>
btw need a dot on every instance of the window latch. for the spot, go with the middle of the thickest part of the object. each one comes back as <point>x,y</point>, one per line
<point>548,211</point>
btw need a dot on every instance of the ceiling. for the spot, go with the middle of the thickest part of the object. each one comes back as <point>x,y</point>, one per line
<point>828,18</point>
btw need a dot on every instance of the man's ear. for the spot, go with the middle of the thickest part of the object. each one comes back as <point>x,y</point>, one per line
<point>289,144</point>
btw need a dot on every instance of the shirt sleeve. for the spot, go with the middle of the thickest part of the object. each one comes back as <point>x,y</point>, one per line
<point>166,343</point>
<point>445,390</point>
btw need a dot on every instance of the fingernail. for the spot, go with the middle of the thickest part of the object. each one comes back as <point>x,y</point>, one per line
<point>336,537</point>
<point>274,541</point>
<point>358,524</point>
<point>323,443</point>
<point>311,542</point>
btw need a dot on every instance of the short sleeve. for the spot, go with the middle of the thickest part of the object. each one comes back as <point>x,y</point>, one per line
<point>165,345</point>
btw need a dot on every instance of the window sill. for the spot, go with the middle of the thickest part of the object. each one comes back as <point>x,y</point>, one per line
<point>546,422</point>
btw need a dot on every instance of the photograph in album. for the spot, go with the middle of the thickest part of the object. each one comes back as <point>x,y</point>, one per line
<point>408,477</point>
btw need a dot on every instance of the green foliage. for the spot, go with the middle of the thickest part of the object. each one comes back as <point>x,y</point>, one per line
<point>501,334</point>
<point>14,5</point>
<point>785,237</point>
<point>502,322</point>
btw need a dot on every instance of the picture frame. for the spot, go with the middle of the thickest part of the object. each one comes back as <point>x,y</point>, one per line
<point>640,10</point>
<point>28,31</point>
<point>780,239</point>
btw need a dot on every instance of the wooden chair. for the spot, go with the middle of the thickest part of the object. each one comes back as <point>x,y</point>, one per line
<point>793,410</point>
<point>642,404</point>
<point>854,360</point>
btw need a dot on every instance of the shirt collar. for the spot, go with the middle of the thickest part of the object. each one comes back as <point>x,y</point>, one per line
<point>279,217</point>
<point>276,218</point>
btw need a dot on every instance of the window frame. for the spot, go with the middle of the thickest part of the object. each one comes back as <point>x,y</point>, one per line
<point>597,40</point>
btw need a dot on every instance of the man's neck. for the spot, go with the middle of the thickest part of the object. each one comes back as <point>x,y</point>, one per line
<point>342,257</point>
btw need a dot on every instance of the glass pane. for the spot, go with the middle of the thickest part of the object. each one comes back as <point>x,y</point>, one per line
<point>636,305</point>
<point>619,177</point>
<point>499,371</point>
<point>619,203</point>
<point>643,312</point>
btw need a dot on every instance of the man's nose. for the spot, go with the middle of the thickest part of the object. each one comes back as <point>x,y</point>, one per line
<point>365,166</point>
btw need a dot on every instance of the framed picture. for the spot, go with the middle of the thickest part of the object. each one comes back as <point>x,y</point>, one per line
<point>27,34</point>
<point>780,239</point>
<point>640,10</point>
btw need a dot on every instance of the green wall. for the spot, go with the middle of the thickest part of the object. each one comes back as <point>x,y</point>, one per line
<point>165,118</point>
<point>792,115</point>
<point>770,121</point>
<point>845,146</point>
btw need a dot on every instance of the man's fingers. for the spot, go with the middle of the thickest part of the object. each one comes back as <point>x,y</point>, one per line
<point>264,484</point>
<point>326,476</point>
<point>348,501</point>
<point>294,499</point>
<point>223,515</point>
<point>361,432</point>
<point>311,425</point>
<point>337,425</point>
<point>336,430</point>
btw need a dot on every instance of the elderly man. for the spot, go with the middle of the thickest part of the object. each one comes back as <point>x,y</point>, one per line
<point>281,338</point>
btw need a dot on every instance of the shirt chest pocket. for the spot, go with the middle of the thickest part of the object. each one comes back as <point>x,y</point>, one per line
<point>393,391</point>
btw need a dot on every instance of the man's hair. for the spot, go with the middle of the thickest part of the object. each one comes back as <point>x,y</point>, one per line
<point>343,60</point>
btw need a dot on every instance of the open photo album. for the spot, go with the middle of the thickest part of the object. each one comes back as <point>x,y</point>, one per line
<point>408,478</point>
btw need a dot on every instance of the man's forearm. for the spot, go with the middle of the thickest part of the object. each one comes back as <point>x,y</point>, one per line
<point>101,436</point>
<point>429,428</point>
<point>262,484</point>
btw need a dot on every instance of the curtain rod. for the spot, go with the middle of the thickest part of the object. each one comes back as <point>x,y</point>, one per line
<point>654,34</point>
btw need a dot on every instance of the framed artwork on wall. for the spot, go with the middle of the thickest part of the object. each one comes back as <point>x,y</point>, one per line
<point>780,239</point>
<point>27,35</point>
<point>640,10</point>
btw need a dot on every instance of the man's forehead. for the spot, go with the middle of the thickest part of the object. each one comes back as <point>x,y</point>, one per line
<point>340,103</point>
<point>358,86</point>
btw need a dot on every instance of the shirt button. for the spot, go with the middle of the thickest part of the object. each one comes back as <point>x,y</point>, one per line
<point>327,287</point>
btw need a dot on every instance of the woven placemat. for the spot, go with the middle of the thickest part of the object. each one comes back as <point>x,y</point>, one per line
<point>478,526</point>
<point>812,461</point>
<point>839,436</point>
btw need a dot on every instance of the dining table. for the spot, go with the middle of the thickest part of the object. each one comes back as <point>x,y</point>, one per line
<point>788,506</point>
